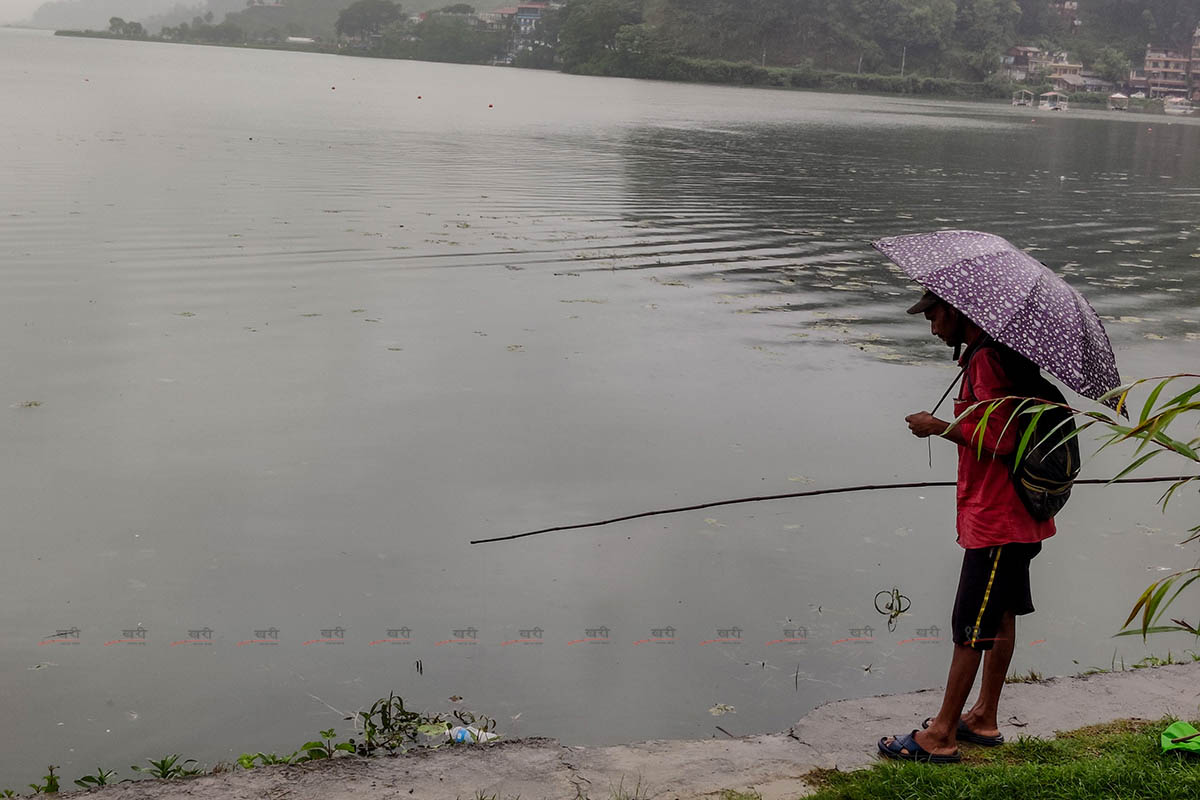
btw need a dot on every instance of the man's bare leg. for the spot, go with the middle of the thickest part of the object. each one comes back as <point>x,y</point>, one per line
<point>941,737</point>
<point>982,717</point>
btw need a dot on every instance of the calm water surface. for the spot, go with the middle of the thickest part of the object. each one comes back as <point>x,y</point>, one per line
<point>283,332</point>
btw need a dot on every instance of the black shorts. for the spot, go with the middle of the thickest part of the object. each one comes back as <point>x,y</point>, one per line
<point>994,580</point>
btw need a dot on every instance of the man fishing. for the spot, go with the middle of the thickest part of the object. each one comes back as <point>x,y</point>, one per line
<point>997,533</point>
<point>1013,315</point>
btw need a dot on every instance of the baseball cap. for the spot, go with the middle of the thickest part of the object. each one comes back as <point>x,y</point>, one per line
<point>927,301</point>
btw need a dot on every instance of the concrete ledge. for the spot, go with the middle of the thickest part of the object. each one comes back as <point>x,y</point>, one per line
<point>840,734</point>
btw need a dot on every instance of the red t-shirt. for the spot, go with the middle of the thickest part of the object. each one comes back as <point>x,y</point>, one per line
<point>989,511</point>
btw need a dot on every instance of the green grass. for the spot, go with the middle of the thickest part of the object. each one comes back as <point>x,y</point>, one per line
<point>1121,759</point>
<point>1033,676</point>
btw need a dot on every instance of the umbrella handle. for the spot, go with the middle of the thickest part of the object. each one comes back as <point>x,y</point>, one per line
<point>945,394</point>
<point>949,389</point>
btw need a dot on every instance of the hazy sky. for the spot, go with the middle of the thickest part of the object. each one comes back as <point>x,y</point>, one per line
<point>17,10</point>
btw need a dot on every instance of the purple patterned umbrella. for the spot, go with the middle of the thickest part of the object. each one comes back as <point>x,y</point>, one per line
<point>1016,299</point>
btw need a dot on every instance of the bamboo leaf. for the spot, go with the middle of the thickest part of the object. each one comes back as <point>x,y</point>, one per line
<point>1145,596</point>
<point>1049,434</point>
<point>1152,398</point>
<point>1186,396</point>
<point>1184,450</point>
<point>1147,631</point>
<point>1020,409</point>
<point>1182,585</point>
<point>1187,627</point>
<point>1029,431</point>
<point>981,428</point>
<point>1135,465</point>
<point>1166,498</point>
<point>1119,390</point>
<point>1150,612</point>
<point>1121,404</point>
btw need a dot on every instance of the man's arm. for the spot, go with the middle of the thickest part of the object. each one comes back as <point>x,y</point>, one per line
<point>990,383</point>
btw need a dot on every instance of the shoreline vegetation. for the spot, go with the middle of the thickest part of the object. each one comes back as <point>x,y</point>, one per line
<point>388,728</point>
<point>684,69</point>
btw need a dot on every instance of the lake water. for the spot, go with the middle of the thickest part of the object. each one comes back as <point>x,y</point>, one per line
<point>283,332</point>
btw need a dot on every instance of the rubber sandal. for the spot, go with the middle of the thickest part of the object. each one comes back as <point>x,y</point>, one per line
<point>899,744</point>
<point>965,734</point>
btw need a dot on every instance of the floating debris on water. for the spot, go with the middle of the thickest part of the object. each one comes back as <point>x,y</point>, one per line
<point>721,709</point>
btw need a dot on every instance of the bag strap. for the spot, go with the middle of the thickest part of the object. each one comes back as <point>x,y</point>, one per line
<point>985,340</point>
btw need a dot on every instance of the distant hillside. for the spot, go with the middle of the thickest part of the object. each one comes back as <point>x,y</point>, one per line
<point>293,17</point>
<point>290,17</point>
<point>95,13</point>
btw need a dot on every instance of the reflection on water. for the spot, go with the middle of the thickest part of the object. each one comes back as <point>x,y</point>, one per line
<point>275,353</point>
<point>797,207</point>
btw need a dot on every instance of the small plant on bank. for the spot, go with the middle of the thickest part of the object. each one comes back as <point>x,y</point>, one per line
<point>389,725</point>
<point>325,748</point>
<point>49,784</point>
<point>1033,676</point>
<point>99,779</point>
<point>247,760</point>
<point>169,768</point>
<point>619,792</point>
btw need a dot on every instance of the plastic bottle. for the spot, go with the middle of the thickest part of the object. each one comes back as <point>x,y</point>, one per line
<point>471,735</point>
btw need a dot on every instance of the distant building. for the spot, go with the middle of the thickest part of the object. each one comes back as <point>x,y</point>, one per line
<point>1024,63</point>
<point>1068,10</point>
<point>1196,65</point>
<point>1167,72</point>
<point>1054,65</point>
<point>1094,83</point>
<point>1068,83</point>
<point>525,18</point>
<point>1017,60</point>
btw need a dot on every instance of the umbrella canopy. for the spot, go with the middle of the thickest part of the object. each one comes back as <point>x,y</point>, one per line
<point>1014,298</point>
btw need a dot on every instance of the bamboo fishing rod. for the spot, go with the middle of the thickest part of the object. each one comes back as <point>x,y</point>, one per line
<point>811,493</point>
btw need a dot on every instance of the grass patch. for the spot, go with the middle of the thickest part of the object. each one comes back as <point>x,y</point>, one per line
<point>1117,759</point>
<point>1033,676</point>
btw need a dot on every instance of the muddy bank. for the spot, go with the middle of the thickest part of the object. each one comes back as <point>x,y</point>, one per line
<point>840,734</point>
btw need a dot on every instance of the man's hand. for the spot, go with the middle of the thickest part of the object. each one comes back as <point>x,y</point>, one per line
<point>923,425</point>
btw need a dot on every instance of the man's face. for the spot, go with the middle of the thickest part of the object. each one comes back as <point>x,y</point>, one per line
<point>943,323</point>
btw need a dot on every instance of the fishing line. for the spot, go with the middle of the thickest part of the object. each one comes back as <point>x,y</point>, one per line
<point>811,493</point>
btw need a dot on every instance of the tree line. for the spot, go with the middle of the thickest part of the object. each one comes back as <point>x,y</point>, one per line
<point>872,45</point>
<point>963,39</point>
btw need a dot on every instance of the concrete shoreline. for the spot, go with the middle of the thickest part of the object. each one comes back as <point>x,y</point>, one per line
<point>840,734</point>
